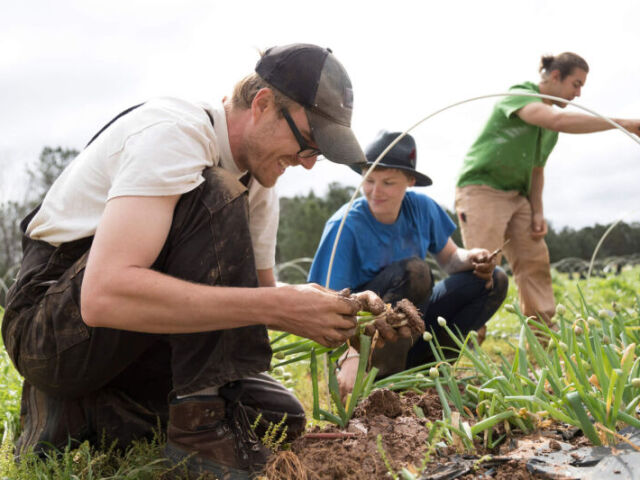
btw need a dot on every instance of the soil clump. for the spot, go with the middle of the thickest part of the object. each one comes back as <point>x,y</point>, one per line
<point>389,432</point>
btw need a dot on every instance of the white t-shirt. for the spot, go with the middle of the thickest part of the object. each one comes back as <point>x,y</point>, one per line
<point>160,148</point>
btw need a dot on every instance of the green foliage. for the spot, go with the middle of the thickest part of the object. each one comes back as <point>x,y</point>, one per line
<point>624,239</point>
<point>142,461</point>
<point>361,388</point>
<point>41,174</point>
<point>385,458</point>
<point>535,382</point>
<point>302,221</point>
<point>11,213</point>
<point>301,224</point>
<point>275,435</point>
<point>50,164</point>
<point>584,370</point>
<point>10,391</point>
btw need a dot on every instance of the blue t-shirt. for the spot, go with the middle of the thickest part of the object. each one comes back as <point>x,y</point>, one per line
<point>366,246</point>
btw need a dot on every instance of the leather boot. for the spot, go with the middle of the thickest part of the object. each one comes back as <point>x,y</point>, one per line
<point>214,436</point>
<point>49,422</point>
<point>119,418</point>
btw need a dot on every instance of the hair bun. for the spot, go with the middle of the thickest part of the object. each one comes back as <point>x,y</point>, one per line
<point>545,62</point>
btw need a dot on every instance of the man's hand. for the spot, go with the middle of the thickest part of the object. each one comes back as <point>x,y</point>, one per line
<point>313,312</point>
<point>484,262</point>
<point>538,226</point>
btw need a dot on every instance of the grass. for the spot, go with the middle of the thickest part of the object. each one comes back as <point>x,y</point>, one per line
<point>602,292</point>
<point>615,297</point>
<point>585,372</point>
<point>142,461</point>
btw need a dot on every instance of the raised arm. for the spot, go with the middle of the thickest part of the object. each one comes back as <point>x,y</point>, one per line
<point>545,116</point>
<point>119,289</point>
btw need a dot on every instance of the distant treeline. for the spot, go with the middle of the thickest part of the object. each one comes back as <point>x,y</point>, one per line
<point>623,240</point>
<point>302,220</point>
<point>41,175</point>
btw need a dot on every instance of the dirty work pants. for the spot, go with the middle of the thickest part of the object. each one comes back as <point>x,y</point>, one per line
<point>58,354</point>
<point>460,298</point>
<point>487,218</point>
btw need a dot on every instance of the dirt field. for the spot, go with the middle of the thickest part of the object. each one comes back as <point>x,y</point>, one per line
<point>355,454</point>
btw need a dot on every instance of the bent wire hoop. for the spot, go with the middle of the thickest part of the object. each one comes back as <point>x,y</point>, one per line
<point>403,134</point>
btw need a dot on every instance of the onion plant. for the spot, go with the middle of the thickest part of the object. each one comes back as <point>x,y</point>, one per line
<point>584,372</point>
<point>361,388</point>
<point>287,352</point>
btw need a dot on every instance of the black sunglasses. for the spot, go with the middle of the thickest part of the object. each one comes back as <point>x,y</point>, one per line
<point>306,150</point>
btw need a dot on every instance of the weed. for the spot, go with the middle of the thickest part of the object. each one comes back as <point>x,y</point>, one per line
<point>385,458</point>
<point>274,430</point>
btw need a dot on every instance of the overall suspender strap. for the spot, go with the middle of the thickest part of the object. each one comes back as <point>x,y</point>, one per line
<point>124,112</point>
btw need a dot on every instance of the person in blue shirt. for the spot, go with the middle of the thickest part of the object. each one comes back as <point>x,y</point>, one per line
<point>382,247</point>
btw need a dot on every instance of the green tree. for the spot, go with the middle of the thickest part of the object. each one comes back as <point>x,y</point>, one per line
<point>41,176</point>
<point>623,240</point>
<point>10,248</point>
<point>301,224</point>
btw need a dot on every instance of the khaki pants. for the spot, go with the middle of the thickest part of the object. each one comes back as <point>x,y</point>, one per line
<point>487,218</point>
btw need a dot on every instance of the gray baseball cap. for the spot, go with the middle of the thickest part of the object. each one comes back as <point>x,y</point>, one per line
<point>313,77</point>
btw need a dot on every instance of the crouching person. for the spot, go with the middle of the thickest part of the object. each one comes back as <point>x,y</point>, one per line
<point>385,239</point>
<point>137,299</point>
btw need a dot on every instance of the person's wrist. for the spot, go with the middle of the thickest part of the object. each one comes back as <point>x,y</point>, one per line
<point>348,358</point>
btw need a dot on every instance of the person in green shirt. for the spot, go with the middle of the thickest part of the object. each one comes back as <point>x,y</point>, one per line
<point>499,191</point>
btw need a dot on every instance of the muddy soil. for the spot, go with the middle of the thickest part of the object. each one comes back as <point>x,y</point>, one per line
<point>356,453</point>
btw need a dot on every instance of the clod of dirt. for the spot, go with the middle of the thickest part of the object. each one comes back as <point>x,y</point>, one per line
<point>368,301</point>
<point>381,402</point>
<point>554,445</point>
<point>405,313</point>
<point>404,318</point>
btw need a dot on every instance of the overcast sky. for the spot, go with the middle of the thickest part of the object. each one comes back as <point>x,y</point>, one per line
<point>67,67</point>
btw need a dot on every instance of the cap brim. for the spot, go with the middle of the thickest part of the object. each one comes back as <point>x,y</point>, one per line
<point>421,179</point>
<point>336,142</point>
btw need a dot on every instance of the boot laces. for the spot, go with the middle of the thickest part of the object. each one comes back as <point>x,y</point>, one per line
<point>242,426</point>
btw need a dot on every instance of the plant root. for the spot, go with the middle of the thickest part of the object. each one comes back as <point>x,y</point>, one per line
<point>285,465</point>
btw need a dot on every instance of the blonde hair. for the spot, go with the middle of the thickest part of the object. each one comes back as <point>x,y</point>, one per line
<point>246,89</point>
<point>378,168</point>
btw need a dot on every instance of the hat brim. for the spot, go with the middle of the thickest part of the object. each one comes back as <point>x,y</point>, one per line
<point>337,142</point>
<point>421,179</point>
